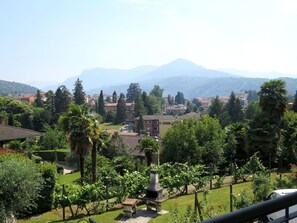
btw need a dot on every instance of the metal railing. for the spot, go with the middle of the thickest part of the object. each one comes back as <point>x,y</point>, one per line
<point>259,211</point>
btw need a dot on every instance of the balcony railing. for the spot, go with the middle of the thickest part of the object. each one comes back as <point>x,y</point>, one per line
<point>259,211</point>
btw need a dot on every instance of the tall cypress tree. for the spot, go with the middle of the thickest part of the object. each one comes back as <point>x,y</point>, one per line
<point>121,110</point>
<point>38,100</point>
<point>140,124</point>
<point>78,93</point>
<point>101,106</point>
<point>114,97</point>
<point>295,103</point>
<point>62,99</point>
<point>139,105</point>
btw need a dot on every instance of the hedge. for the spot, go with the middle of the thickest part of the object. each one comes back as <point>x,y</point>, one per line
<point>51,155</point>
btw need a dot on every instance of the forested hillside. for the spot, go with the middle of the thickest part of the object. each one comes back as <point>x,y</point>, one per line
<point>14,88</point>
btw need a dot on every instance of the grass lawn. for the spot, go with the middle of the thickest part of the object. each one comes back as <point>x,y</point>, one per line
<point>69,178</point>
<point>107,126</point>
<point>217,197</point>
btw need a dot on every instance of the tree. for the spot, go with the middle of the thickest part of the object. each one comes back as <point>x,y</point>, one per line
<point>49,103</point>
<point>170,100</point>
<point>295,103</point>
<point>273,99</point>
<point>132,91</point>
<point>149,146</point>
<point>121,110</point>
<point>20,183</point>
<point>179,98</point>
<point>252,96</point>
<point>62,100</point>
<point>140,124</point>
<point>78,93</point>
<point>38,100</point>
<point>217,110</point>
<point>114,97</point>
<point>145,101</point>
<point>101,106</point>
<point>153,105</point>
<point>194,142</point>
<point>77,124</point>
<point>139,105</point>
<point>252,110</point>
<point>157,92</point>
<point>233,108</point>
<point>108,99</point>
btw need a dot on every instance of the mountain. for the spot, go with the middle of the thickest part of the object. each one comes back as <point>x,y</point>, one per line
<point>99,78</point>
<point>246,73</point>
<point>182,67</point>
<point>14,88</point>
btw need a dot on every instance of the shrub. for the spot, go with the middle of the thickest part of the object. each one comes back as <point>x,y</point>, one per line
<point>261,185</point>
<point>20,183</point>
<point>241,200</point>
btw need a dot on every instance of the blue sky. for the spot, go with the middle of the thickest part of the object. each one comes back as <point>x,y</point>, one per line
<point>50,40</point>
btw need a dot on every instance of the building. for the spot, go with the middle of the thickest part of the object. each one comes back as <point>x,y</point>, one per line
<point>29,98</point>
<point>8,133</point>
<point>179,109</point>
<point>157,125</point>
<point>113,107</point>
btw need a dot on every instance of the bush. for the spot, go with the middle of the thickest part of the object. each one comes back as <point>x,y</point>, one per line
<point>51,155</point>
<point>261,185</point>
<point>20,183</point>
<point>241,200</point>
<point>46,199</point>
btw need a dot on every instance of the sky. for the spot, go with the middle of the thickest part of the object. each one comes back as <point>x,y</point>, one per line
<point>52,40</point>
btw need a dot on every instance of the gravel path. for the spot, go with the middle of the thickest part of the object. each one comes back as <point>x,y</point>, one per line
<point>142,216</point>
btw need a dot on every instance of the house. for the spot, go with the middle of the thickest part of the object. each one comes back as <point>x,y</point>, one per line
<point>175,109</point>
<point>8,133</point>
<point>157,125</point>
<point>113,107</point>
<point>29,98</point>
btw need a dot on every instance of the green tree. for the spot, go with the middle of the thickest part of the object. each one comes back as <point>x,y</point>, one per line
<point>233,108</point>
<point>153,105</point>
<point>139,105</point>
<point>53,138</point>
<point>140,124</point>
<point>179,98</point>
<point>114,97</point>
<point>78,93</point>
<point>170,100</point>
<point>273,99</point>
<point>121,111</point>
<point>62,100</point>
<point>252,96</point>
<point>149,146</point>
<point>38,101</point>
<point>217,110</point>
<point>295,103</point>
<point>40,117</point>
<point>145,102</point>
<point>77,124</point>
<point>132,91</point>
<point>157,92</point>
<point>20,183</point>
<point>101,106</point>
<point>49,103</point>
<point>252,110</point>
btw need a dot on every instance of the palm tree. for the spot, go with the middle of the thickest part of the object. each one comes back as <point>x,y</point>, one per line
<point>149,146</point>
<point>78,124</point>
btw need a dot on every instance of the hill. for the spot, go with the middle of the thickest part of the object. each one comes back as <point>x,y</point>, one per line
<point>14,88</point>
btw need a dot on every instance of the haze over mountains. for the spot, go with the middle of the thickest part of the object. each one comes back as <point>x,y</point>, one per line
<point>179,75</point>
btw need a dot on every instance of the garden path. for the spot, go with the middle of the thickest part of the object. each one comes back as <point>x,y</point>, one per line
<point>142,216</point>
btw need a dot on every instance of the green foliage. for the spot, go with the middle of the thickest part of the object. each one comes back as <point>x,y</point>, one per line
<point>45,200</point>
<point>149,146</point>
<point>138,106</point>
<point>252,110</point>
<point>261,185</point>
<point>234,109</point>
<point>121,111</point>
<point>241,200</point>
<point>51,155</point>
<point>53,138</point>
<point>78,93</point>
<point>61,100</point>
<point>101,105</point>
<point>20,183</point>
<point>38,101</point>
<point>179,98</point>
<point>140,125</point>
<point>132,91</point>
<point>15,89</point>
